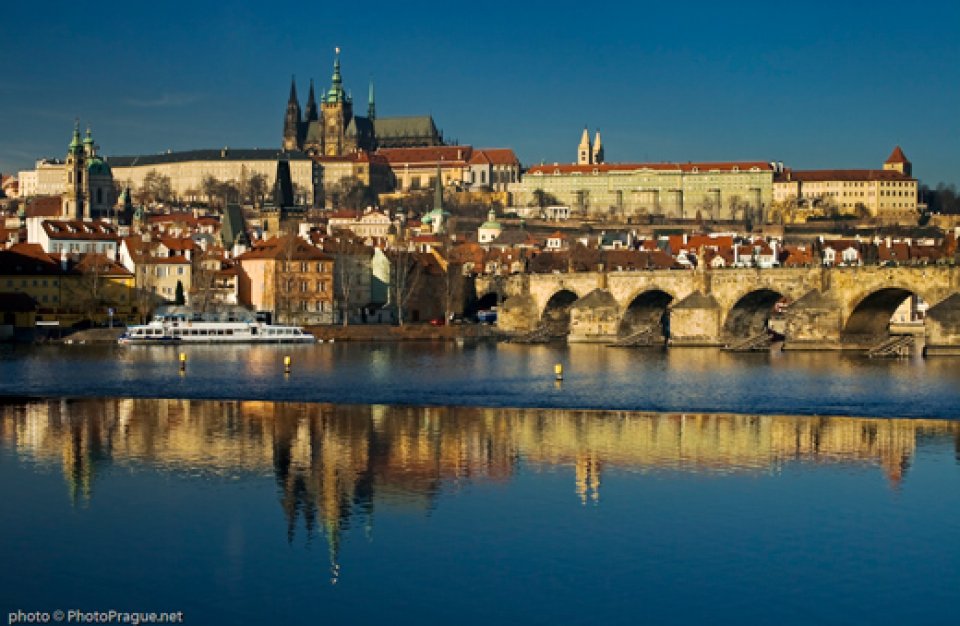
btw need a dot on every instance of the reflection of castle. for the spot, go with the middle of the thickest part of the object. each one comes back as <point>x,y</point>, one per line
<point>334,464</point>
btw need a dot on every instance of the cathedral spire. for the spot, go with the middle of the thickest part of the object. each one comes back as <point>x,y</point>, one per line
<point>371,107</point>
<point>336,82</point>
<point>293,92</point>
<point>311,105</point>
<point>291,120</point>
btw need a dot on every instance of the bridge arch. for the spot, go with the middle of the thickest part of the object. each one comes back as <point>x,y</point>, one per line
<point>751,312</point>
<point>556,312</point>
<point>870,312</point>
<point>646,310</point>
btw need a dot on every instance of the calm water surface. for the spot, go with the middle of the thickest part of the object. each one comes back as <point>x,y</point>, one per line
<point>431,483</point>
<point>265,512</point>
<point>489,374</point>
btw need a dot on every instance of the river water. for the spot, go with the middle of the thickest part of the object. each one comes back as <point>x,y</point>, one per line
<point>430,483</point>
<point>497,375</point>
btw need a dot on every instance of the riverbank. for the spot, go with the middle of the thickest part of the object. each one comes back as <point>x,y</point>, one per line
<point>407,332</point>
<point>355,332</point>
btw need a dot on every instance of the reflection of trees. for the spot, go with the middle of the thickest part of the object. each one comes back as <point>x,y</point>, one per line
<point>334,465</point>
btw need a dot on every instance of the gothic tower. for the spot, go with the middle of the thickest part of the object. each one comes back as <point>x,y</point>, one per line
<point>311,113</point>
<point>291,121</point>
<point>597,150</point>
<point>584,152</point>
<point>337,111</point>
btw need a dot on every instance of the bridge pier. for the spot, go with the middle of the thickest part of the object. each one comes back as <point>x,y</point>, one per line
<point>942,328</point>
<point>594,318</point>
<point>518,314</point>
<point>696,321</point>
<point>813,323</point>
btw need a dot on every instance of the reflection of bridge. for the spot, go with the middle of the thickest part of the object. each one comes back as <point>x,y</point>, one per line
<point>830,308</point>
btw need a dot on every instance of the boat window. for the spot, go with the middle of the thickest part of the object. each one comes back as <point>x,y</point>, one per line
<point>229,331</point>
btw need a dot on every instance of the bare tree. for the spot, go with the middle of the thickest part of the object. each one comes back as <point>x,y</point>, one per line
<point>351,263</point>
<point>156,187</point>
<point>405,274</point>
<point>203,280</point>
<point>255,188</point>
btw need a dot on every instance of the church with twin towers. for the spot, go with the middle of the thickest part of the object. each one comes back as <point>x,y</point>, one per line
<point>329,126</point>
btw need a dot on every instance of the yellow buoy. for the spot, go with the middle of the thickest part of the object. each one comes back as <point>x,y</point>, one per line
<point>286,364</point>
<point>558,370</point>
<point>183,361</point>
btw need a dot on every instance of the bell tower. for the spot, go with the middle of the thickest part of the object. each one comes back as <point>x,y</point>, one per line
<point>597,149</point>
<point>337,110</point>
<point>584,151</point>
<point>73,195</point>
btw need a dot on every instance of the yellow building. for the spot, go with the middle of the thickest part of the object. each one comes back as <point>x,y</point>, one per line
<point>289,278</point>
<point>25,268</point>
<point>187,170</point>
<point>68,292</point>
<point>618,191</point>
<point>888,194</point>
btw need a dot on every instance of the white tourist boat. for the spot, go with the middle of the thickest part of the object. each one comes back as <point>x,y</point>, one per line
<point>231,325</point>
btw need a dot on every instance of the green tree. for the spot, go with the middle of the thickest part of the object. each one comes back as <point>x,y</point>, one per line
<point>179,298</point>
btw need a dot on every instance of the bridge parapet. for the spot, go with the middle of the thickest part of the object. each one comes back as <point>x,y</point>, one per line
<point>832,308</point>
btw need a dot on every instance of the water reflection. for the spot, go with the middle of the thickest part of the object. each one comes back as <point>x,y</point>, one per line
<point>333,463</point>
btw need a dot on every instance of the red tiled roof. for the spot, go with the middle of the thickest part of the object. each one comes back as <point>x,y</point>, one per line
<point>28,259</point>
<point>812,176</point>
<point>458,155</point>
<point>361,156</point>
<point>495,156</point>
<point>174,243</point>
<point>897,156</point>
<point>281,248</point>
<point>45,206</point>
<point>668,167</point>
<point>501,156</point>
<point>76,229</point>
<point>102,265</point>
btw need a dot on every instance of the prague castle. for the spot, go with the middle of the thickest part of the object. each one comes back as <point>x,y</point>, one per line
<point>332,130</point>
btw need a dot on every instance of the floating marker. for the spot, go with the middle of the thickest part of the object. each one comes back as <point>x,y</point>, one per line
<point>286,364</point>
<point>558,370</point>
<point>183,361</point>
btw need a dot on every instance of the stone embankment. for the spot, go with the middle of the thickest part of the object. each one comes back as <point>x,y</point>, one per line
<point>407,332</point>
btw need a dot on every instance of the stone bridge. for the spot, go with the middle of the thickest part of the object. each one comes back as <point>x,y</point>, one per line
<point>825,308</point>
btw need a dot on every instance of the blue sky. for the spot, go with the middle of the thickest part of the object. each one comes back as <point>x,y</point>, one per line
<point>816,85</point>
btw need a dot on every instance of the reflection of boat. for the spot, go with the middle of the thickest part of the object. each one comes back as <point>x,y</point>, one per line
<point>231,325</point>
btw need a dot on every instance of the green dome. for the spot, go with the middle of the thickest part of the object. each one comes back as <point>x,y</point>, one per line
<point>489,224</point>
<point>97,167</point>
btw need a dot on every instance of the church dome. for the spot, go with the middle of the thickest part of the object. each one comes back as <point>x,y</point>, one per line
<point>98,167</point>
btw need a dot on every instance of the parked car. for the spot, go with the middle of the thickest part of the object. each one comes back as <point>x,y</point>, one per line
<point>437,321</point>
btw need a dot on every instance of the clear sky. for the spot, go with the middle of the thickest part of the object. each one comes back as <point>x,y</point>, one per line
<point>816,85</point>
